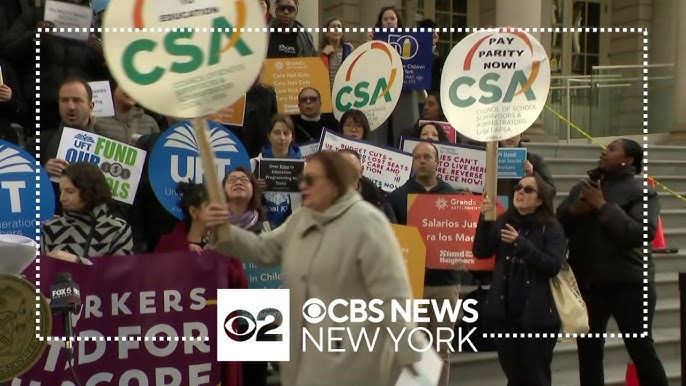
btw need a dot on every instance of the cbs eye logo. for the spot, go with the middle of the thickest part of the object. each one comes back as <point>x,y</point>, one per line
<point>241,325</point>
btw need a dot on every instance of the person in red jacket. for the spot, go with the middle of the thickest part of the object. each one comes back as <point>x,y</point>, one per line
<point>192,234</point>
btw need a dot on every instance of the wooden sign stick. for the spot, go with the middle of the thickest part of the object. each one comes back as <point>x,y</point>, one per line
<point>491,178</point>
<point>214,189</point>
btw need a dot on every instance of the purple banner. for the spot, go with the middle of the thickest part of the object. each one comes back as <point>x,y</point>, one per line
<point>169,297</point>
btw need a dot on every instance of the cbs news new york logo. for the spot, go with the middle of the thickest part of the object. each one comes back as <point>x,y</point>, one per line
<point>253,325</point>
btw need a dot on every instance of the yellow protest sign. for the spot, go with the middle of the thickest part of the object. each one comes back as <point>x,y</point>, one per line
<point>233,114</point>
<point>414,254</point>
<point>290,75</point>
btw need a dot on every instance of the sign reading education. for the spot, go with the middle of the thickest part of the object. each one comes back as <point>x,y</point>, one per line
<point>495,84</point>
<point>415,49</point>
<point>18,192</point>
<point>186,72</point>
<point>176,157</point>
<point>122,164</point>
<point>370,80</point>
<point>290,75</point>
<point>388,168</point>
<point>447,224</point>
<point>281,175</point>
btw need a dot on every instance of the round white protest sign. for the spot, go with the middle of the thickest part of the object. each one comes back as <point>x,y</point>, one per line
<point>370,79</point>
<point>184,58</point>
<point>495,84</point>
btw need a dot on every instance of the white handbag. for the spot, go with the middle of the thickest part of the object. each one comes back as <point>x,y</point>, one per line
<point>570,305</point>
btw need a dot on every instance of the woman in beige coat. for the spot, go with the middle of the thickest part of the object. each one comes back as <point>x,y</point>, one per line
<point>336,247</point>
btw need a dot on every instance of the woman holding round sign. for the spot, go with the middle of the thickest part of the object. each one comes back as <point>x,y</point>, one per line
<point>336,246</point>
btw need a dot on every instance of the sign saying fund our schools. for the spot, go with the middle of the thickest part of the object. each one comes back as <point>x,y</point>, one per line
<point>122,164</point>
<point>464,166</point>
<point>371,80</point>
<point>124,308</point>
<point>415,50</point>
<point>388,168</point>
<point>447,224</point>
<point>290,75</point>
<point>176,158</point>
<point>18,194</point>
<point>184,58</point>
<point>495,84</point>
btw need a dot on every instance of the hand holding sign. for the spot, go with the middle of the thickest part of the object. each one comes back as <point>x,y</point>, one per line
<point>153,66</point>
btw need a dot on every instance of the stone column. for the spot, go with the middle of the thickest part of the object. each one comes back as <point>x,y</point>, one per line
<point>308,15</point>
<point>510,13</point>
<point>677,136</point>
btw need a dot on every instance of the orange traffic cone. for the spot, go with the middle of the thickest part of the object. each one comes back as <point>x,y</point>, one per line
<point>659,242</point>
<point>631,378</point>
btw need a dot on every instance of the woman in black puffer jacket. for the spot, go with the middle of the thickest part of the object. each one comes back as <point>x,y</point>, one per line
<point>529,245</point>
<point>603,218</point>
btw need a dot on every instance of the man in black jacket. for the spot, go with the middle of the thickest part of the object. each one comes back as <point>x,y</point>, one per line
<point>439,284</point>
<point>311,122</point>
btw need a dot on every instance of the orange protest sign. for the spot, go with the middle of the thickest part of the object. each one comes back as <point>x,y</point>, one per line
<point>232,115</point>
<point>290,75</point>
<point>447,224</point>
<point>414,254</point>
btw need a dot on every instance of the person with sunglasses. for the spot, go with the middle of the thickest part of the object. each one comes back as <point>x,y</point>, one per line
<point>529,248</point>
<point>604,219</point>
<point>290,44</point>
<point>337,246</point>
<point>311,122</point>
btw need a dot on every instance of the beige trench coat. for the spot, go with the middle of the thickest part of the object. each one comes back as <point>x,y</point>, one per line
<point>348,252</point>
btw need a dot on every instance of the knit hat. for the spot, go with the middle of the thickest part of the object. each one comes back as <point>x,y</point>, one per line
<point>99,5</point>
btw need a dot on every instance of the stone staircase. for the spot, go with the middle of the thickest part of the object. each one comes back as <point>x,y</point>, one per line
<point>568,164</point>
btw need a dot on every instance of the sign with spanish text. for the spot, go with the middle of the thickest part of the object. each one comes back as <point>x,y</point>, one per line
<point>447,223</point>
<point>68,15</point>
<point>232,115</point>
<point>18,194</point>
<point>184,59</point>
<point>371,80</point>
<point>134,327</point>
<point>121,163</point>
<point>416,51</point>
<point>281,175</point>
<point>388,168</point>
<point>176,157</point>
<point>103,105</point>
<point>449,130</point>
<point>495,84</point>
<point>414,254</point>
<point>290,75</point>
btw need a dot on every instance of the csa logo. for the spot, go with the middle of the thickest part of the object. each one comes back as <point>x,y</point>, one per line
<point>253,325</point>
<point>175,158</point>
<point>364,82</point>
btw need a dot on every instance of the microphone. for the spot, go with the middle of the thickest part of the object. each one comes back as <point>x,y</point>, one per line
<point>65,299</point>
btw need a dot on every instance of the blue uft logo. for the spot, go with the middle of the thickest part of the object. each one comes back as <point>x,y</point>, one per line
<point>175,158</point>
<point>18,192</point>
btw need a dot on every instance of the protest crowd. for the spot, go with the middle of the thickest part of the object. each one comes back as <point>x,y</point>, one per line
<point>338,221</point>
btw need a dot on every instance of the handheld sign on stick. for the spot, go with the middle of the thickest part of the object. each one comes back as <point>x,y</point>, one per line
<point>494,87</point>
<point>191,67</point>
